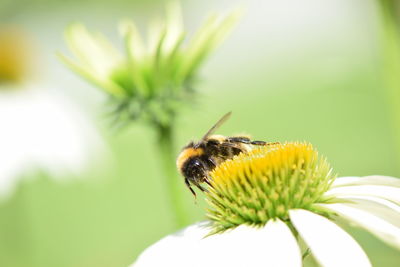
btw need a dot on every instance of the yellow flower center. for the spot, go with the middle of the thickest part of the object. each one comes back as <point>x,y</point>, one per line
<point>266,183</point>
<point>15,55</point>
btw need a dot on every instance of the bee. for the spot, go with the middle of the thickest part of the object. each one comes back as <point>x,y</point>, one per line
<point>197,159</point>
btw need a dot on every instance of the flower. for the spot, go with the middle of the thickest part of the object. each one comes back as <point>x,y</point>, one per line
<point>15,55</point>
<point>274,205</point>
<point>39,129</point>
<point>149,80</point>
<point>43,130</point>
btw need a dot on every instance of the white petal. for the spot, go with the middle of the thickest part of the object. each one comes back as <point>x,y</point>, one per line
<point>174,22</point>
<point>378,206</point>
<point>42,130</point>
<point>382,191</point>
<point>380,228</point>
<point>155,34</point>
<point>174,250</point>
<point>367,180</point>
<point>381,201</point>
<point>330,245</point>
<point>93,50</point>
<point>134,40</point>
<point>272,245</point>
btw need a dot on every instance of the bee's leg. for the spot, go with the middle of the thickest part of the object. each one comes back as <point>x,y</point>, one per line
<point>263,143</point>
<point>246,140</point>
<point>258,143</point>
<point>207,180</point>
<point>270,144</point>
<point>239,139</point>
<point>201,188</point>
<point>212,162</point>
<point>190,187</point>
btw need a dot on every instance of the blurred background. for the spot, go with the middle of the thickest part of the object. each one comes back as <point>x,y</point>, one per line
<point>76,192</point>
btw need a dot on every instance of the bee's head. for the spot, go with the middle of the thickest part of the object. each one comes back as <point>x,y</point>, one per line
<point>195,169</point>
<point>188,152</point>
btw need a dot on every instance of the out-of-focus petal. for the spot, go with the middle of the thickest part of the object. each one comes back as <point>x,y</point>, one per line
<point>93,50</point>
<point>174,26</point>
<point>273,245</point>
<point>377,226</point>
<point>381,191</point>
<point>92,77</point>
<point>211,34</point>
<point>367,180</point>
<point>42,130</point>
<point>178,250</point>
<point>133,40</point>
<point>330,244</point>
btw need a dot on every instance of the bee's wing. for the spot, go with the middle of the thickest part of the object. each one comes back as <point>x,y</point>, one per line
<point>217,125</point>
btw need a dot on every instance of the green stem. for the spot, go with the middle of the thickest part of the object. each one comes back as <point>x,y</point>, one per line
<point>174,185</point>
<point>305,254</point>
<point>391,64</point>
<point>307,250</point>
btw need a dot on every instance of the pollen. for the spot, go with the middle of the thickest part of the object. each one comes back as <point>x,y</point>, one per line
<point>266,183</point>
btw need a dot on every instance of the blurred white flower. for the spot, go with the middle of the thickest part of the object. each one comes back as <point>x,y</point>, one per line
<point>41,130</point>
<point>274,205</point>
<point>38,129</point>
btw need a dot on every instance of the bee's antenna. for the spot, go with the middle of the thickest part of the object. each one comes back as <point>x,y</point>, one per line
<point>217,125</point>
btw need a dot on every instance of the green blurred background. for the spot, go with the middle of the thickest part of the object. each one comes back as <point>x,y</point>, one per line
<point>292,70</point>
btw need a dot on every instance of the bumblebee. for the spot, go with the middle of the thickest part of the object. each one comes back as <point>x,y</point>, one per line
<point>197,159</point>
